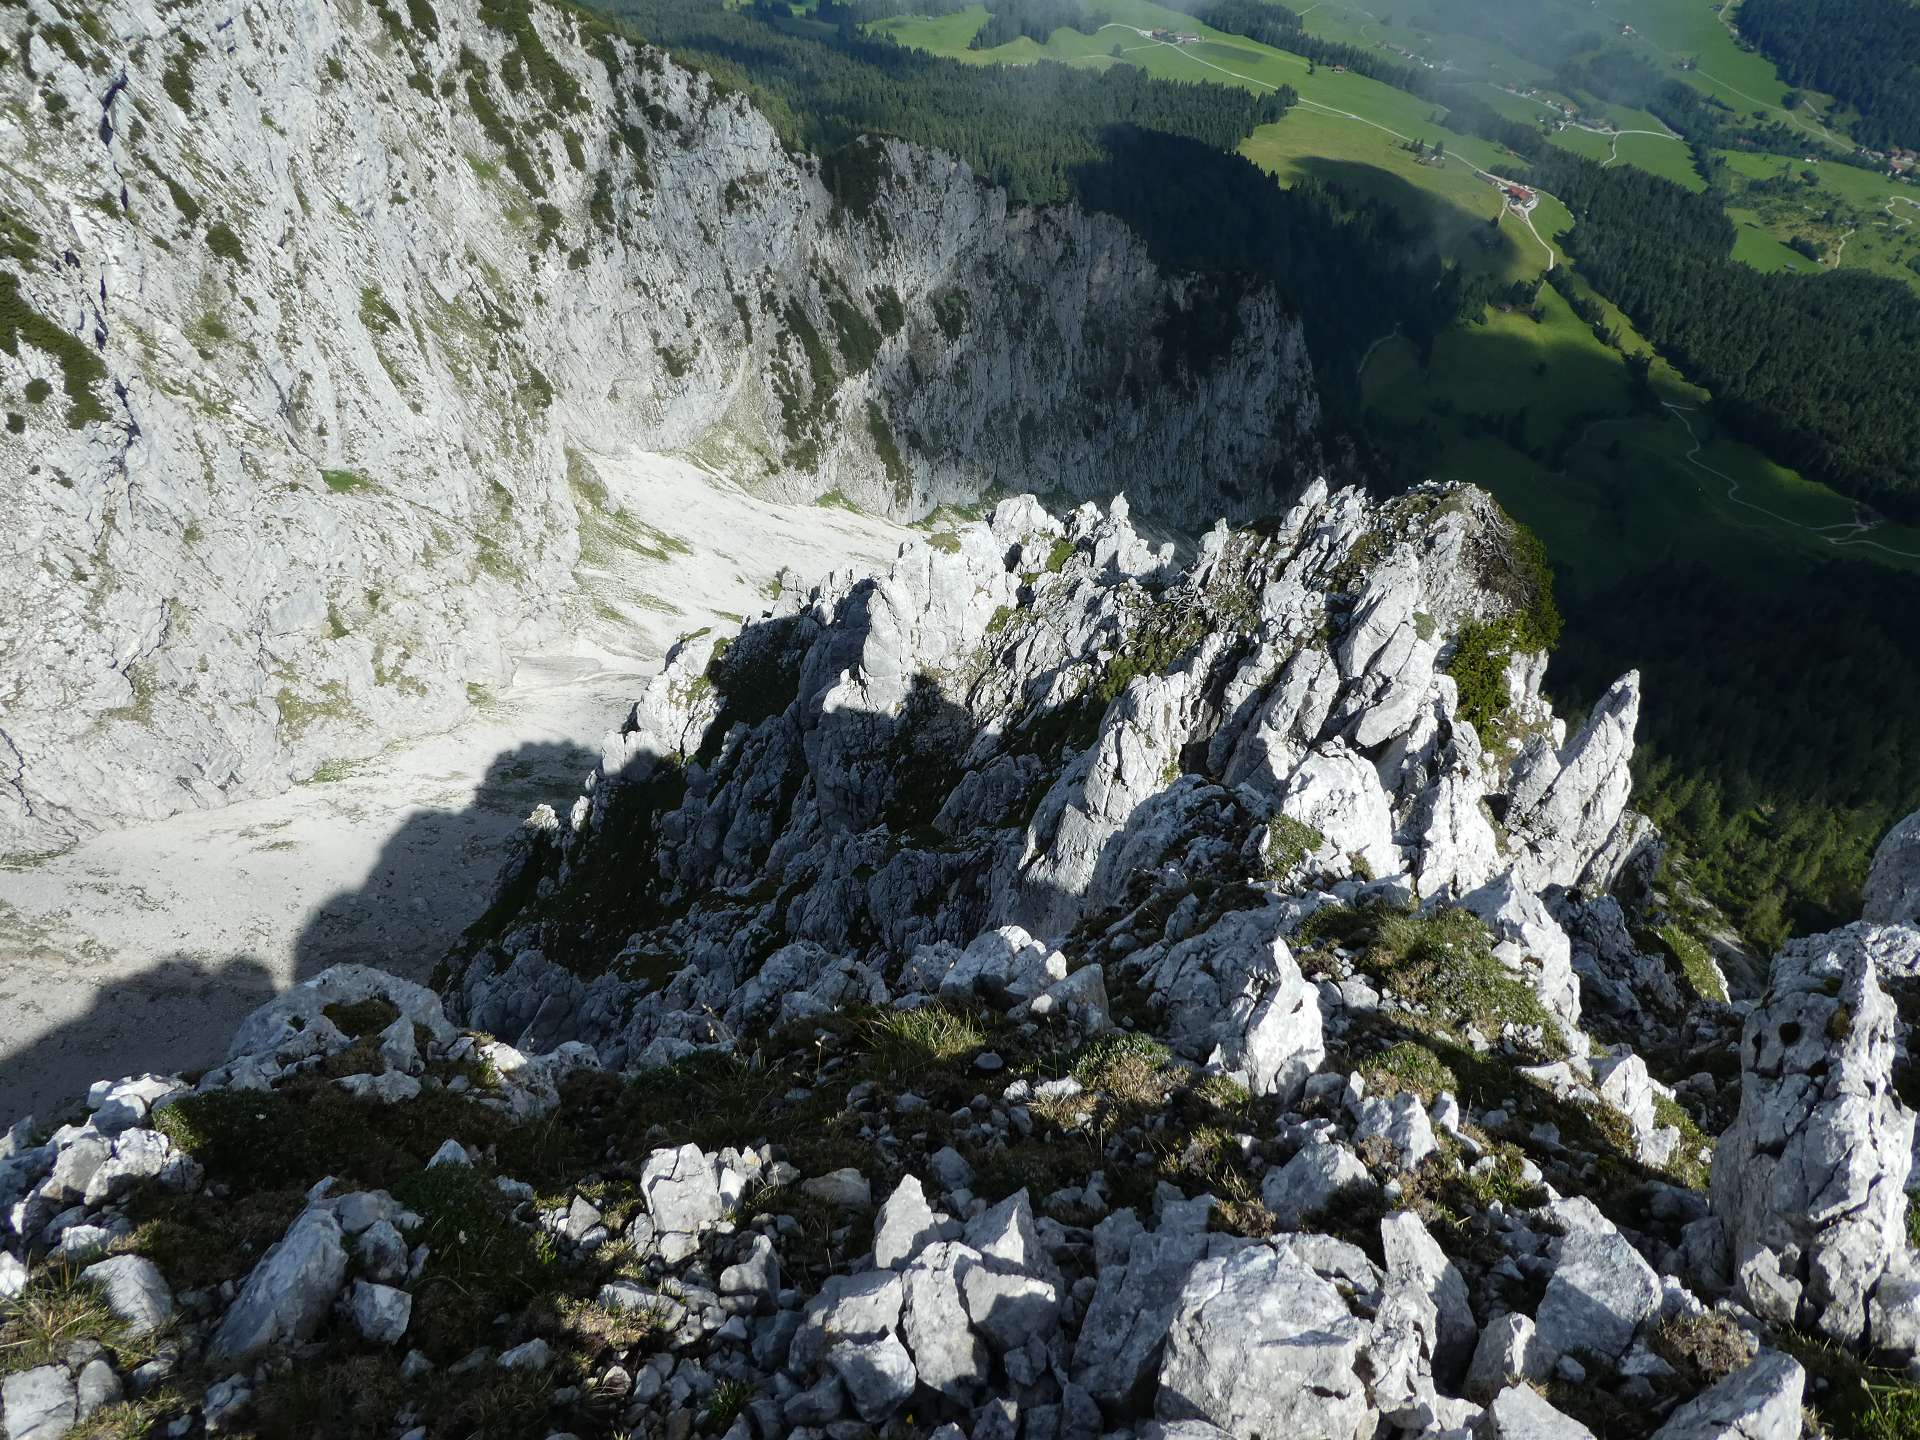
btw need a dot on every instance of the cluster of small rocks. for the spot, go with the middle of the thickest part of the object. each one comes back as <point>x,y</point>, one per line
<point>346,1257</point>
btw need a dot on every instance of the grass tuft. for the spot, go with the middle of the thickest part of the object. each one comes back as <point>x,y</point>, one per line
<point>730,1398</point>
<point>56,1309</point>
<point>905,1044</point>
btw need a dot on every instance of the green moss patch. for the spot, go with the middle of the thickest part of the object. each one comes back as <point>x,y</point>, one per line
<point>256,1141</point>
<point>81,368</point>
<point>888,450</point>
<point>177,80</point>
<point>225,244</point>
<point>1690,957</point>
<point>1443,961</point>
<point>1518,571</point>
<point>1289,842</point>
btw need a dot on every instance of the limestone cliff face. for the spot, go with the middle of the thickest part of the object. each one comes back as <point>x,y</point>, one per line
<point>319,318</point>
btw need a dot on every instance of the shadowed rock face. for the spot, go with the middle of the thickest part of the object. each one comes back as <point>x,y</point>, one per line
<point>334,313</point>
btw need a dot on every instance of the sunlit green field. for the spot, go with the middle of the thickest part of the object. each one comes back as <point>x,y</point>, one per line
<point>1672,30</point>
<point>1666,34</point>
<point>1541,412</point>
<point>1222,58</point>
<point>946,34</point>
<point>1669,159</point>
<point>1355,23</point>
<point>1864,219</point>
<point>1445,200</point>
<point>1754,245</point>
<point>1346,128</point>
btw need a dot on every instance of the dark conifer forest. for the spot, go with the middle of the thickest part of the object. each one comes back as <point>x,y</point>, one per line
<point>1864,52</point>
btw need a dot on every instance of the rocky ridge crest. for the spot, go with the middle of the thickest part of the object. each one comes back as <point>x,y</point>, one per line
<point>1055,989</point>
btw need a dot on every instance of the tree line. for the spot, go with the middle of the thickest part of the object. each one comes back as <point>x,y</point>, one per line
<point>1770,751</point>
<point>1284,29</point>
<point>1817,370</point>
<point>1008,20</point>
<point>1814,369</point>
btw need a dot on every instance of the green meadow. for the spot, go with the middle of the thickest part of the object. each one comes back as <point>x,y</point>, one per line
<point>1540,411</point>
<point>1859,219</point>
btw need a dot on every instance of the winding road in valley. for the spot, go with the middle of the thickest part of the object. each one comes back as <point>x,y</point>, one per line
<point>1849,533</point>
<point>1852,532</point>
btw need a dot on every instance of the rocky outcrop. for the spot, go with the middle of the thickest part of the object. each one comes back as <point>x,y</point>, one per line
<point>331,316</point>
<point>933,1009</point>
<point>1809,1184</point>
<point>1565,806</point>
<point>1893,884</point>
<point>1129,717</point>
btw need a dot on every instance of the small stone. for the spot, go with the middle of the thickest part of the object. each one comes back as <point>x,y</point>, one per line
<point>1009,1309</point>
<point>288,1292</point>
<point>451,1152</point>
<point>1504,1356</point>
<point>380,1312</point>
<point>382,1252</point>
<point>390,1087</point>
<point>1601,1290</point>
<point>581,1218</point>
<point>627,1295</point>
<point>987,1062</point>
<point>135,1290</point>
<point>757,1274</point>
<point>224,1401</point>
<point>97,1386</point>
<point>38,1404</point>
<point>1522,1414</point>
<point>533,1355</point>
<point>878,1375</point>
<point>950,1168</point>
<point>1311,1181</point>
<point>1760,1402</point>
<point>1401,1121</point>
<point>819,1405</point>
<point>683,1198</point>
<point>905,1225</point>
<point>845,1189</point>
